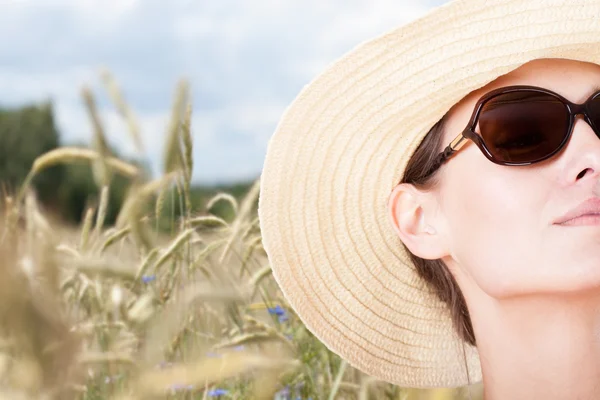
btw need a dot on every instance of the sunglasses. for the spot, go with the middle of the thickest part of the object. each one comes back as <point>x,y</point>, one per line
<point>522,125</point>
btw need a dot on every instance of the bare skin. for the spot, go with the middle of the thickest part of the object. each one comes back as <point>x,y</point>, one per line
<point>532,286</point>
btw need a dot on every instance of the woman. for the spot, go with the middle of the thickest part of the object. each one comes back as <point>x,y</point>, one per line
<point>522,243</point>
<point>429,203</point>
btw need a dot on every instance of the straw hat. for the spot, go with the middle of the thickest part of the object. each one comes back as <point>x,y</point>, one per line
<point>342,146</point>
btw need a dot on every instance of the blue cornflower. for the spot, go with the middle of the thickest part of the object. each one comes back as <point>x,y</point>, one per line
<point>148,278</point>
<point>278,310</point>
<point>217,392</point>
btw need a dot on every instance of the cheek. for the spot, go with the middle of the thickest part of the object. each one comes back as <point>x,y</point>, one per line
<point>495,224</point>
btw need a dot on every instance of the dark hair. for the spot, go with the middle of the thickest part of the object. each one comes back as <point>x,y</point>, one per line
<point>435,272</point>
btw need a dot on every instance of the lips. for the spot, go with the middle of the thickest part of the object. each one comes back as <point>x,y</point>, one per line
<point>590,207</point>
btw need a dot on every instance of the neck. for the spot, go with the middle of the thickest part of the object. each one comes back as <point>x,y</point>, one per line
<point>539,347</point>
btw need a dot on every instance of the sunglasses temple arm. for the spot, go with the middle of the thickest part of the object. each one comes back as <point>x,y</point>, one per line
<point>452,148</point>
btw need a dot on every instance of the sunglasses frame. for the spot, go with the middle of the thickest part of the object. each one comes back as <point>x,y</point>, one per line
<point>574,109</point>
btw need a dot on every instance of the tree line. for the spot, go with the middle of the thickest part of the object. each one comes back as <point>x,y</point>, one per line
<point>66,190</point>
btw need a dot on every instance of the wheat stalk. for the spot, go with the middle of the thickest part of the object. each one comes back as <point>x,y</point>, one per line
<point>160,203</point>
<point>241,217</point>
<point>172,154</point>
<point>124,110</point>
<point>100,170</point>
<point>132,210</point>
<point>87,226</point>
<point>208,221</point>
<point>118,235</point>
<point>65,155</point>
<point>222,197</point>
<point>101,210</point>
<point>173,247</point>
<point>188,159</point>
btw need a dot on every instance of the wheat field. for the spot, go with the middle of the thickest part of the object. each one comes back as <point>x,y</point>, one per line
<point>134,312</point>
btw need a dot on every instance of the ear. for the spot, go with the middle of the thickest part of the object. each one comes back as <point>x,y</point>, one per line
<point>417,221</point>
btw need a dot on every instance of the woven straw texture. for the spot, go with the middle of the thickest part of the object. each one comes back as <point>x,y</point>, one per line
<point>342,146</point>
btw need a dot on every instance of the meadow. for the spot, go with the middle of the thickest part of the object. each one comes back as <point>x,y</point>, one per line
<point>158,305</point>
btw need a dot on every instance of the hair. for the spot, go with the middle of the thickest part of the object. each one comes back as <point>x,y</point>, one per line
<point>435,272</point>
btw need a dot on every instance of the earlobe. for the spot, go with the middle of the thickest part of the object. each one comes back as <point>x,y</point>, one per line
<point>412,214</point>
<point>430,230</point>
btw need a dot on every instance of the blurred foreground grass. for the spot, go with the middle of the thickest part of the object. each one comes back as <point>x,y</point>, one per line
<point>138,311</point>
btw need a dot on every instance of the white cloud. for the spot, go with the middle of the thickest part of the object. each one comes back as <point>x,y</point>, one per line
<point>18,87</point>
<point>246,61</point>
<point>367,20</point>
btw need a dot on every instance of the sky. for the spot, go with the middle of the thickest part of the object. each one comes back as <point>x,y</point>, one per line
<point>245,60</point>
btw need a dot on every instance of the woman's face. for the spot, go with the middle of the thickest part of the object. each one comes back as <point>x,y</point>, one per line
<point>498,222</point>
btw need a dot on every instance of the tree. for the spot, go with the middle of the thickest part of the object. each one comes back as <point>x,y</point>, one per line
<point>25,134</point>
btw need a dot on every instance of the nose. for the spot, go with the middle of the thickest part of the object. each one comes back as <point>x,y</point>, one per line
<point>582,154</point>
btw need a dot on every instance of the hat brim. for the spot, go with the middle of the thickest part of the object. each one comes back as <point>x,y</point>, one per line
<point>343,145</point>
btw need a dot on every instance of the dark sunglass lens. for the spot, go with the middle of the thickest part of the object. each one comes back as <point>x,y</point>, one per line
<point>523,126</point>
<point>594,110</point>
